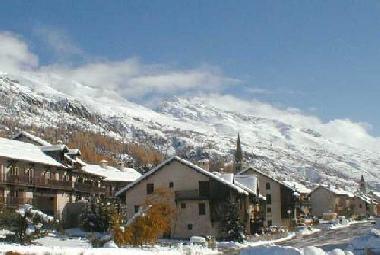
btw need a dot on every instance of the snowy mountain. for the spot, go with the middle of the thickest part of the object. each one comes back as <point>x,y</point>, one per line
<point>195,127</point>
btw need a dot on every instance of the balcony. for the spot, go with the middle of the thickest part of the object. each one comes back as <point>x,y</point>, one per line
<point>89,188</point>
<point>189,195</point>
<point>19,179</point>
<point>15,201</point>
<point>52,184</point>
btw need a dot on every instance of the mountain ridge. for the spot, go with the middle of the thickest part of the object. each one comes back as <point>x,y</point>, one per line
<point>194,128</point>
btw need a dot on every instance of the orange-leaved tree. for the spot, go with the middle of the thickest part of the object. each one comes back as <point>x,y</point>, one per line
<point>152,221</point>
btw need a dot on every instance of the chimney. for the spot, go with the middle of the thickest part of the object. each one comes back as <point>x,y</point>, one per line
<point>103,163</point>
<point>204,164</point>
<point>121,166</point>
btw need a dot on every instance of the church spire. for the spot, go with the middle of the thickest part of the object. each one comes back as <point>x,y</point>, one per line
<point>238,157</point>
<point>362,185</point>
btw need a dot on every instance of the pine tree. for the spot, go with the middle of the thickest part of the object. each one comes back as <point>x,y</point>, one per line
<point>233,229</point>
<point>97,216</point>
<point>238,159</point>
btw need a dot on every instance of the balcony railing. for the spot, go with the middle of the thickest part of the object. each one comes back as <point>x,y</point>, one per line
<point>189,195</point>
<point>89,188</point>
<point>19,179</point>
<point>42,182</point>
<point>15,201</point>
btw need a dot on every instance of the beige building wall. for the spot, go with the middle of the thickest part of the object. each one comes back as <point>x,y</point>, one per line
<point>360,207</point>
<point>322,201</point>
<point>275,191</point>
<point>183,178</point>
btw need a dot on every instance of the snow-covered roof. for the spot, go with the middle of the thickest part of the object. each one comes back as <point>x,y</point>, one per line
<point>112,174</point>
<point>57,147</point>
<point>367,199</point>
<point>337,191</point>
<point>34,138</point>
<point>377,194</point>
<point>293,185</point>
<point>189,164</point>
<point>74,152</point>
<point>18,150</point>
<point>298,187</point>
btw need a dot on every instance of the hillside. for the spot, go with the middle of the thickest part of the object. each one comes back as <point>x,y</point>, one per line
<point>193,128</point>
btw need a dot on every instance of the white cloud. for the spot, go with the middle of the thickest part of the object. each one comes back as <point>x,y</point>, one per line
<point>132,79</point>
<point>341,130</point>
<point>14,54</point>
<point>128,78</point>
<point>58,41</point>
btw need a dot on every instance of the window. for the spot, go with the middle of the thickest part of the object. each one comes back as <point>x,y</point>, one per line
<point>269,223</point>
<point>204,189</point>
<point>189,226</point>
<point>267,185</point>
<point>360,205</point>
<point>183,205</point>
<point>269,210</point>
<point>171,184</point>
<point>149,188</point>
<point>136,208</point>
<point>202,208</point>
<point>269,199</point>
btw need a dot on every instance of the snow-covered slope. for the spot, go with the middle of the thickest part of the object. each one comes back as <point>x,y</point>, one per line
<point>195,127</point>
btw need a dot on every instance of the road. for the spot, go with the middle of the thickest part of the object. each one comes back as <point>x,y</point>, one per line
<point>326,239</point>
<point>330,239</point>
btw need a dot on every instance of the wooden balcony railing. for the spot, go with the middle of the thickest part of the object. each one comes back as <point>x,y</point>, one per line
<point>19,179</point>
<point>15,201</point>
<point>42,182</point>
<point>89,188</point>
<point>189,195</point>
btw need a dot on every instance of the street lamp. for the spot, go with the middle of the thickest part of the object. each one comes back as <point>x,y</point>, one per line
<point>290,213</point>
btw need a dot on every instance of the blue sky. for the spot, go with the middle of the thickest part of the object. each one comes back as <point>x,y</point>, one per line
<point>319,56</point>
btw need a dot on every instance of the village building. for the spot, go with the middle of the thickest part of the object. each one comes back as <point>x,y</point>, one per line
<point>198,196</point>
<point>53,177</point>
<point>287,202</point>
<point>376,197</point>
<point>328,199</point>
<point>112,178</point>
<point>28,175</point>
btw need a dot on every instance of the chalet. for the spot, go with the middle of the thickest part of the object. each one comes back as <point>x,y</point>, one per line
<point>53,177</point>
<point>325,199</point>
<point>376,196</point>
<point>364,205</point>
<point>113,178</point>
<point>287,202</point>
<point>198,196</point>
<point>28,175</point>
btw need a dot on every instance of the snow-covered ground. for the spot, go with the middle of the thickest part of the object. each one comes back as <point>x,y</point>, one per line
<point>236,245</point>
<point>281,250</point>
<point>308,231</point>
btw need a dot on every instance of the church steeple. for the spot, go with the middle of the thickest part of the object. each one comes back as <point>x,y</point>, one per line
<point>362,185</point>
<point>238,157</point>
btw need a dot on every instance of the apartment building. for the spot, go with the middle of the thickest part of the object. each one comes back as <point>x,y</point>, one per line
<point>53,177</point>
<point>198,196</point>
<point>287,202</point>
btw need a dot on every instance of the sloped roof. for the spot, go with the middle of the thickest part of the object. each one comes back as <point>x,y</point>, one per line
<point>18,150</point>
<point>292,185</point>
<point>190,165</point>
<point>112,174</point>
<point>298,187</point>
<point>336,191</point>
<point>34,138</point>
